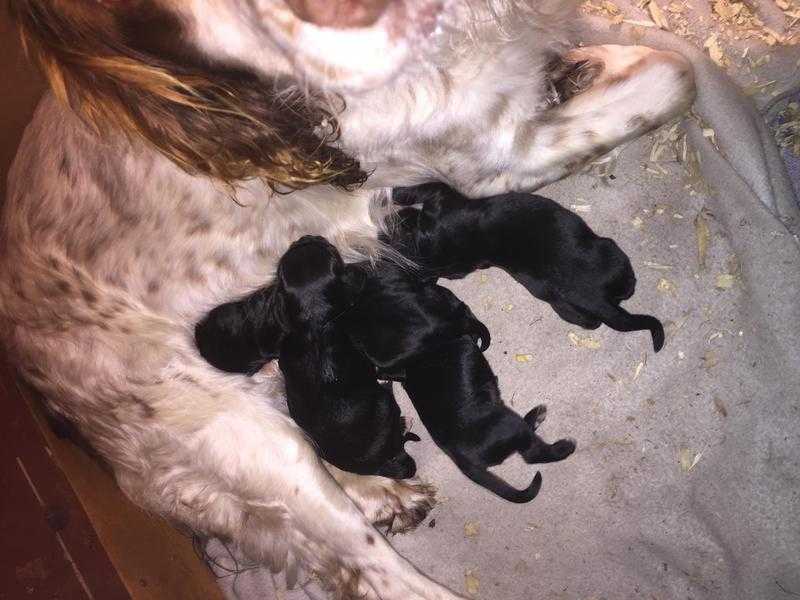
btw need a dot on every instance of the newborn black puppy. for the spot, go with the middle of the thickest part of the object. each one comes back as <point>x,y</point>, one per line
<point>456,395</point>
<point>331,387</point>
<point>545,247</point>
<point>422,335</point>
<point>240,337</point>
<point>399,316</point>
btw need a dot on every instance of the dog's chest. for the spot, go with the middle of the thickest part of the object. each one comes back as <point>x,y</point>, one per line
<point>178,243</point>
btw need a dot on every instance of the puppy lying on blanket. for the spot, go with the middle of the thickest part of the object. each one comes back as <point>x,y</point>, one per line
<point>331,387</point>
<point>414,331</point>
<point>422,335</point>
<point>546,248</point>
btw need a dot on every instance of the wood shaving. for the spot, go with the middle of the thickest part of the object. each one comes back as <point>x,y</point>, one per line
<point>688,459</point>
<point>757,88</point>
<point>665,286</point>
<point>471,582</point>
<point>604,8</point>
<point>710,360</point>
<point>639,23</point>
<point>581,208</point>
<point>471,529</point>
<point>637,222</point>
<point>657,266</point>
<point>639,366</point>
<point>583,341</point>
<point>724,281</point>
<point>523,358</point>
<point>715,51</point>
<point>657,15</point>
<point>719,406</point>
<point>703,234</point>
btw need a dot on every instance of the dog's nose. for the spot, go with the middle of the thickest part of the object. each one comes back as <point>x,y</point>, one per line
<point>339,14</point>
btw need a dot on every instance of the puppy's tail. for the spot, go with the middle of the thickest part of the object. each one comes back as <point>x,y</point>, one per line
<point>620,319</point>
<point>494,484</point>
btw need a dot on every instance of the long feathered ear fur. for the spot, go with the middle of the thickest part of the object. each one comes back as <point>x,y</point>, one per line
<point>119,64</point>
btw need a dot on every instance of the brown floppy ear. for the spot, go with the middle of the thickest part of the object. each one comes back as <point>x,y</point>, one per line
<point>118,64</point>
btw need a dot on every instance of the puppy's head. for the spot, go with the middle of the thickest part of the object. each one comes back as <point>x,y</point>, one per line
<point>309,284</point>
<point>401,466</point>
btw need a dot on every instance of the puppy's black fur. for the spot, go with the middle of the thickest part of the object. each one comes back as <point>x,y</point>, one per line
<point>240,337</point>
<point>331,387</point>
<point>456,395</point>
<point>421,334</point>
<point>398,316</point>
<point>546,248</point>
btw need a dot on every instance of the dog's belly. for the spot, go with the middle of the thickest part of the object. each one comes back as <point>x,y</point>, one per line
<point>133,221</point>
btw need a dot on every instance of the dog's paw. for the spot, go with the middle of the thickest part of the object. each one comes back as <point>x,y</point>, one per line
<point>571,74</point>
<point>536,416</point>
<point>409,502</point>
<point>563,448</point>
<point>400,505</point>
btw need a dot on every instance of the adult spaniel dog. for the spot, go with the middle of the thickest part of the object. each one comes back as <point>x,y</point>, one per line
<point>185,143</point>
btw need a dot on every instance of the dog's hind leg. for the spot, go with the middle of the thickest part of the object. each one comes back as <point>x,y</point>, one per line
<point>536,416</point>
<point>602,114</point>
<point>540,451</point>
<point>620,319</point>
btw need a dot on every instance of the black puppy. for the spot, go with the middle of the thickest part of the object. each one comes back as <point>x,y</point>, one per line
<point>456,395</point>
<point>240,337</point>
<point>397,316</point>
<point>545,247</point>
<point>331,388</point>
<point>422,335</point>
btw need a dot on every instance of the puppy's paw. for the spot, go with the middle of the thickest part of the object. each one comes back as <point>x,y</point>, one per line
<point>563,448</point>
<point>536,416</point>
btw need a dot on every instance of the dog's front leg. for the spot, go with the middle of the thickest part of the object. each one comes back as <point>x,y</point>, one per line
<point>398,505</point>
<point>633,90</point>
<point>228,465</point>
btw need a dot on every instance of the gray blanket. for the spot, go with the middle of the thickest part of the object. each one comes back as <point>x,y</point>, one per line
<point>687,475</point>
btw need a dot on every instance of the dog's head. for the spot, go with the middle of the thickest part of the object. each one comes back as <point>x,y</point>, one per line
<point>232,89</point>
<point>309,286</point>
